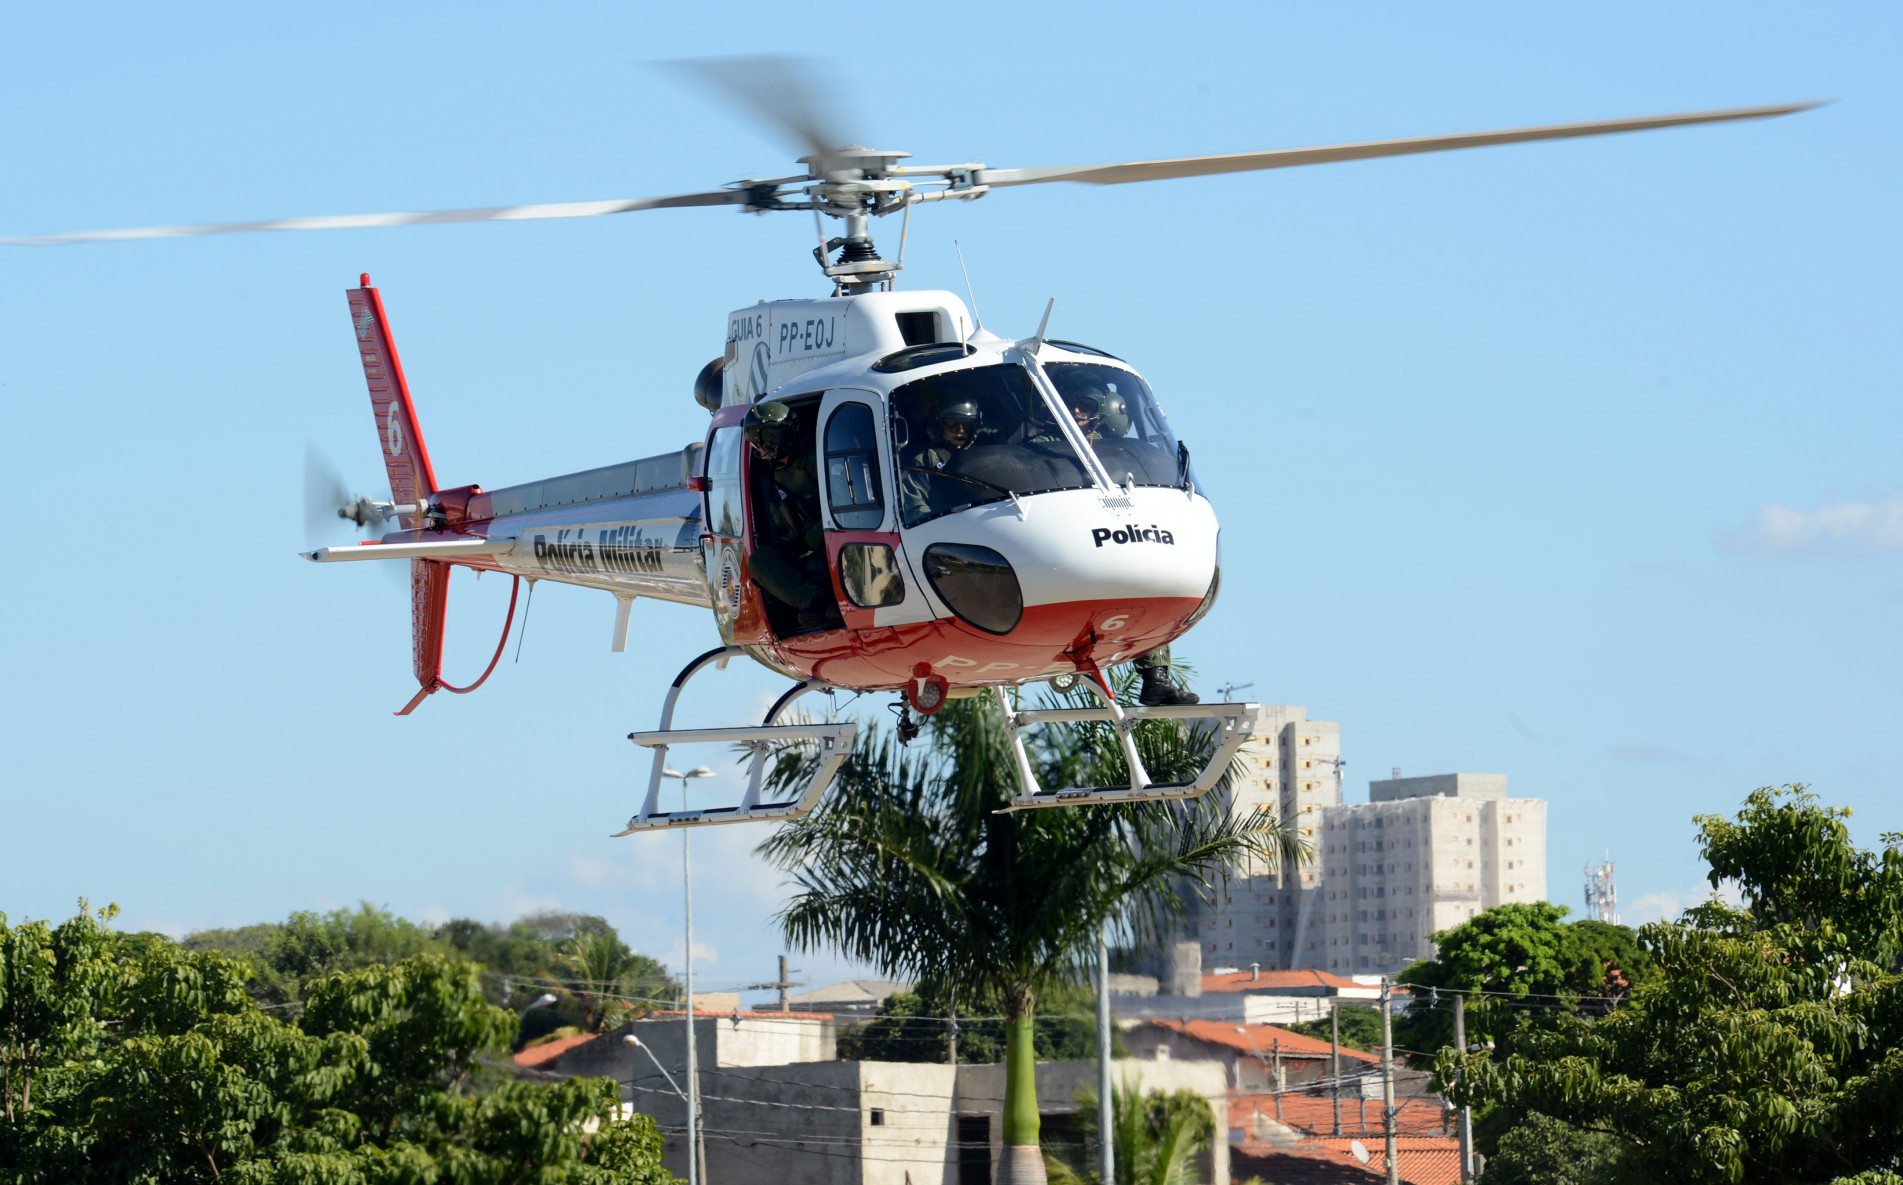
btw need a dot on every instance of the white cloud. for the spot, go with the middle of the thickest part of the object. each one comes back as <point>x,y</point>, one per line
<point>1665,906</point>
<point>1841,530</point>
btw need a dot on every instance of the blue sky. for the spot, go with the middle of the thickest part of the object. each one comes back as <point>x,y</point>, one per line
<point>1575,462</point>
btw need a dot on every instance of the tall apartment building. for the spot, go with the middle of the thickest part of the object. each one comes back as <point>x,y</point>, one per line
<point>1260,916</point>
<point>1423,854</point>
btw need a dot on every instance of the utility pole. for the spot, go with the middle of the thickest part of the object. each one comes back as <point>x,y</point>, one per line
<point>1465,1123</point>
<point>1334,1058</point>
<point>1278,1079</point>
<point>1106,1118</point>
<point>780,984</point>
<point>1387,1081</point>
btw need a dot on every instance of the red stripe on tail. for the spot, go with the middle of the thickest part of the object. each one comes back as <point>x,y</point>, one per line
<point>400,436</point>
<point>429,605</point>
<point>412,479</point>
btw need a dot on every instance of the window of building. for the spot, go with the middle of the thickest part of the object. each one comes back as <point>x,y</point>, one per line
<point>877,1117</point>
<point>974,1150</point>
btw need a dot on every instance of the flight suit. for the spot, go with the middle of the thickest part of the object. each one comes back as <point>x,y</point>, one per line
<point>915,487</point>
<point>792,567</point>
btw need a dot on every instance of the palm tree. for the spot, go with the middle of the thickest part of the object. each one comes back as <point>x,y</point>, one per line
<point>600,963</point>
<point>909,867</point>
<point>1157,1137</point>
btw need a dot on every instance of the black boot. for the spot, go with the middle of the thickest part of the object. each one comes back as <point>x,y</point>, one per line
<point>1160,691</point>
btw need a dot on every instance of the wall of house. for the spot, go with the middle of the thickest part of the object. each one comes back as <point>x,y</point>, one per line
<point>981,1092</point>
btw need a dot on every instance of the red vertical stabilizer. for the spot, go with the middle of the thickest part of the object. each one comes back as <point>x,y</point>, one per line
<point>399,435</point>
<point>406,458</point>
<point>429,602</point>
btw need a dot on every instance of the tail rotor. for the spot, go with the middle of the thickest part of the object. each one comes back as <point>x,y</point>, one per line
<point>327,499</point>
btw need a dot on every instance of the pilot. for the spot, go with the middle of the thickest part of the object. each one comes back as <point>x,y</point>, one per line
<point>1084,405</point>
<point>792,566</point>
<point>1086,408</point>
<point>956,428</point>
<point>1113,416</point>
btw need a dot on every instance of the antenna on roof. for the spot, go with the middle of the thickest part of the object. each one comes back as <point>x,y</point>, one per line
<point>977,318</point>
<point>1602,897</point>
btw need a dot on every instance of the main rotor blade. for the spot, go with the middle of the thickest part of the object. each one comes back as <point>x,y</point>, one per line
<point>719,197</point>
<point>1284,158</point>
<point>777,88</point>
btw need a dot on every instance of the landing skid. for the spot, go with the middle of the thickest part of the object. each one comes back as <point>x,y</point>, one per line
<point>835,744</point>
<point>1236,722</point>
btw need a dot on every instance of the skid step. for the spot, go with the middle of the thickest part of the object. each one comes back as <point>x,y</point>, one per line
<point>1234,724</point>
<point>833,740</point>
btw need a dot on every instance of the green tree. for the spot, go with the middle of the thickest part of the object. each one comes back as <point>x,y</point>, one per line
<point>913,1027</point>
<point>54,981</point>
<point>595,978</point>
<point>1517,965</point>
<point>1360,1027</point>
<point>1541,1150</point>
<point>151,1062</point>
<point>307,945</point>
<point>1767,1044</point>
<point>910,866</point>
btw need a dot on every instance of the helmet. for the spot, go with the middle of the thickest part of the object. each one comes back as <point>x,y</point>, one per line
<point>1114,415</point>
<point>769,428</point>
<point>961,409</point>
<point>707,384</point>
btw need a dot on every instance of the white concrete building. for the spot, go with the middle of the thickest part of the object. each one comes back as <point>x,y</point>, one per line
<point>1294,773</point>
<point>778,1107</point>
<point>1424,854</point>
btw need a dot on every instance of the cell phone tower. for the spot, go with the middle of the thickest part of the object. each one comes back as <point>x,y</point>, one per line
<point>1602,898</point>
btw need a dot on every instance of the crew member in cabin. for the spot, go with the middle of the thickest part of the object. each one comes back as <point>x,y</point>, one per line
<point>955,429</point>
<point>789,560</point>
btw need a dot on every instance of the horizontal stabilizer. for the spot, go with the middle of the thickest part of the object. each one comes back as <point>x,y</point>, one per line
<point>446,549</point>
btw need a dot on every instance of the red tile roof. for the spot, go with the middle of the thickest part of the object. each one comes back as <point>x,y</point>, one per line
<point>1271,981</point>
<point>1257,1039</point>
<point>1314,1114</point>
<point>1422,1161</point>
<point>537,1056</point>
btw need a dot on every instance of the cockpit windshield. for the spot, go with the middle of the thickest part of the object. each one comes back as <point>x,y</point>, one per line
<point>969,437</point>
<point>1117,414</point>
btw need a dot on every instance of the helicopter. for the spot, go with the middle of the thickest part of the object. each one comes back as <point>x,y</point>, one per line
<point>985,512</point>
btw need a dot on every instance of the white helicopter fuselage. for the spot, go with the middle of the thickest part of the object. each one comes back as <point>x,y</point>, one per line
<point>1110,567</point>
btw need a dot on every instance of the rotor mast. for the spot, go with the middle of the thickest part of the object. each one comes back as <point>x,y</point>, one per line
<point>856,184</point>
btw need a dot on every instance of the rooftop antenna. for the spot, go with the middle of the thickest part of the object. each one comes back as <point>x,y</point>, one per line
<point>1229,690</point>
<point>977,318</point>
<point>1602,897</point>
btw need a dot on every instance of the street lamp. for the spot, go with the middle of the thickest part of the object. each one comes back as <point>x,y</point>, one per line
<point>687,884</point>
<point>636,1042</point>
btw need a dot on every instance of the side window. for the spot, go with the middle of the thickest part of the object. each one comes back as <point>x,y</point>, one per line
<point>723,482</point>
<point>870,574</point>
<point>852,468</point>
